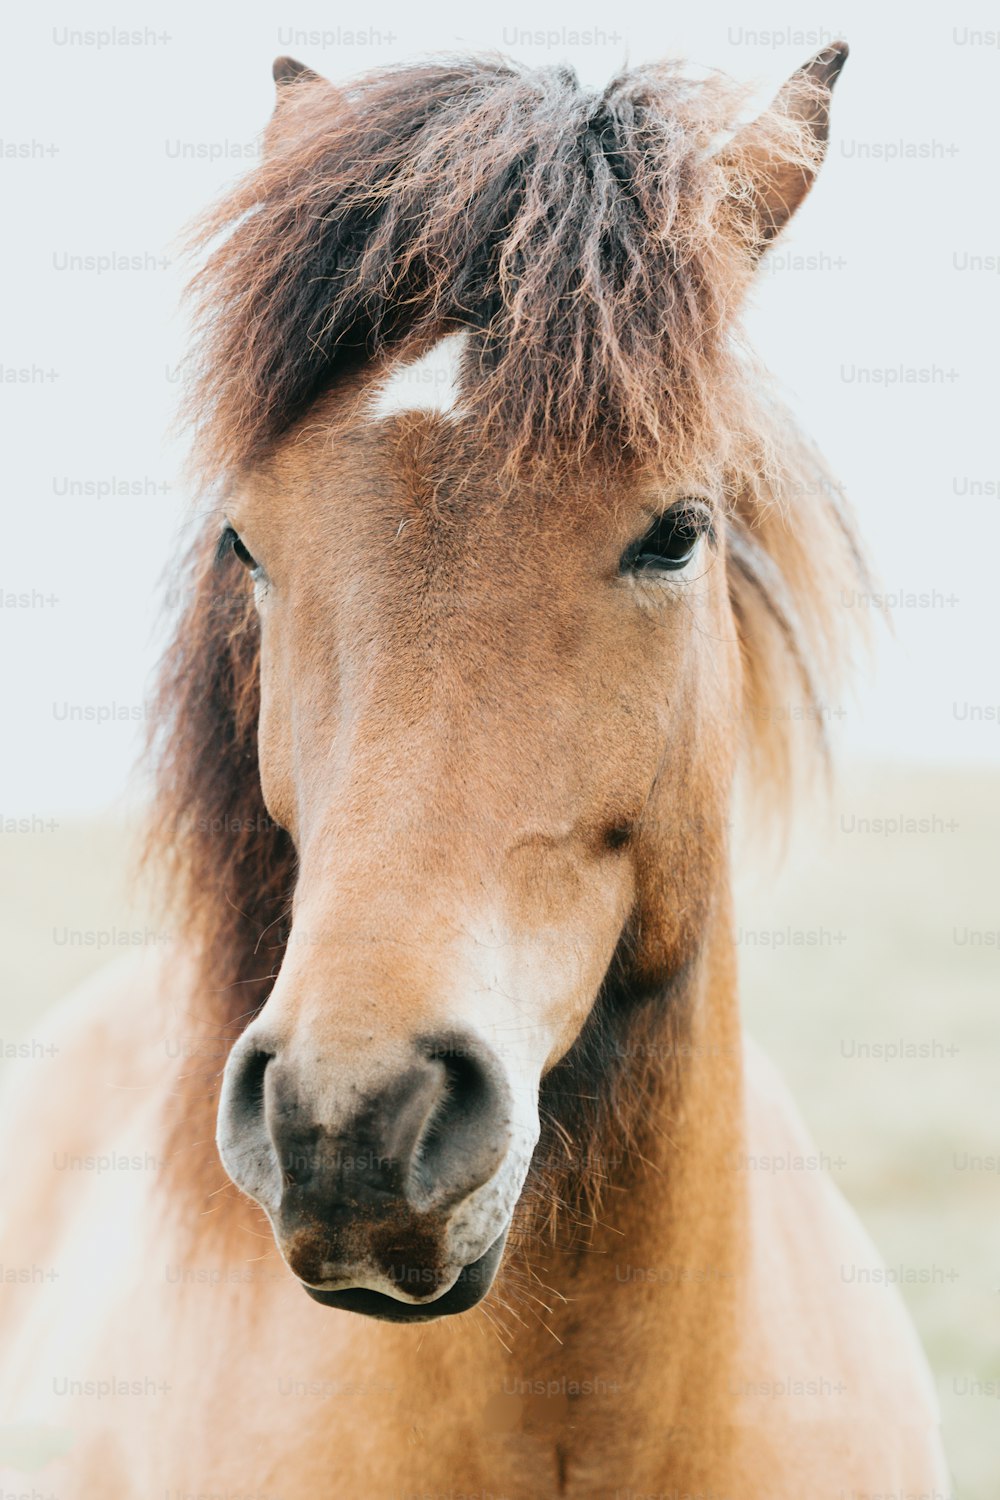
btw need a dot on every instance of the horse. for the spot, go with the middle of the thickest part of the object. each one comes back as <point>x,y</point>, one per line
<point>430,1158</point>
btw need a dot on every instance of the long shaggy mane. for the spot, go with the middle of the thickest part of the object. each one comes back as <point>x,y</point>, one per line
<point>595,244</point>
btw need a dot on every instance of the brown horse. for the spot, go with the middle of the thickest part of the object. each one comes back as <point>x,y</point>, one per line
<point>509,542</point>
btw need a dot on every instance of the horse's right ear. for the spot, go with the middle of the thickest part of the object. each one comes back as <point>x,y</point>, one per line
<point>288,69</point>
<point>294,83</point>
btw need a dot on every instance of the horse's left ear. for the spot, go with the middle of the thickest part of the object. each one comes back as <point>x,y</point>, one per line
<point>774,161</point>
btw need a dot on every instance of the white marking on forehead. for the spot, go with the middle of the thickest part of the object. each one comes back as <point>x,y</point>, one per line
<point>429,383</point>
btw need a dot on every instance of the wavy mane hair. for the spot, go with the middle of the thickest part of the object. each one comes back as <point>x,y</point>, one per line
<point>597,247</point>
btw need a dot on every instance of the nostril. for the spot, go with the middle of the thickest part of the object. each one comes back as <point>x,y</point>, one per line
<point>243,1136</point>
<point>242,1106</point>
<point>465,1137</point>
<point>247,1094</point>
<point>465,1083</point>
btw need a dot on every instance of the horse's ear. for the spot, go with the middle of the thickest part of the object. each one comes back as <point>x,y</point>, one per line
<point>295,83</point>
<point>774,160</point>
<point>287,70</point>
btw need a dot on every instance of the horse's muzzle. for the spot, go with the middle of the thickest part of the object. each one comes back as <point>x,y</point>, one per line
<point>473,1283</point>
<point>394,1205</point>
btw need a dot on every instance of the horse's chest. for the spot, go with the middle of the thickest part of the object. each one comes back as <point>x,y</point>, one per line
<point>201,1370</point>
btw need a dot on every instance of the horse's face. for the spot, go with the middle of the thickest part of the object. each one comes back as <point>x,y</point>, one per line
<point>496,718</point>
<point>496,725</point>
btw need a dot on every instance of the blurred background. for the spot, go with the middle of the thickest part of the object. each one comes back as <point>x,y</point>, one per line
<point>871,958</point>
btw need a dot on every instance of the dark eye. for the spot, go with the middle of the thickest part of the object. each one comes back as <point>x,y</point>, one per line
<point>669,543</point>
<point>230,541</point>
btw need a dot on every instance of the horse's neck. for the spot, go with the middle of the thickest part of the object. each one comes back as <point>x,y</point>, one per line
<point>659,1288</point>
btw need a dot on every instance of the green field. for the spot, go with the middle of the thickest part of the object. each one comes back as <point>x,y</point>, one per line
<point>870,972</point>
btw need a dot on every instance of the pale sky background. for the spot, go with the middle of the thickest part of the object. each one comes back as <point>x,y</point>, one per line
<point>884,268</point>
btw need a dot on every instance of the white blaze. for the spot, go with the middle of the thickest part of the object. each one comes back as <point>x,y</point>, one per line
<point>429,383</point>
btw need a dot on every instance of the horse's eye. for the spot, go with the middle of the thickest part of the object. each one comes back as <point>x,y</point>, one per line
<point>243,554</point>
<point>231,541</point>
<point>670,542</point>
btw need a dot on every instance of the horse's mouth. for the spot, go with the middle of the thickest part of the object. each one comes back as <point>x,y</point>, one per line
<point>473,1282</point>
